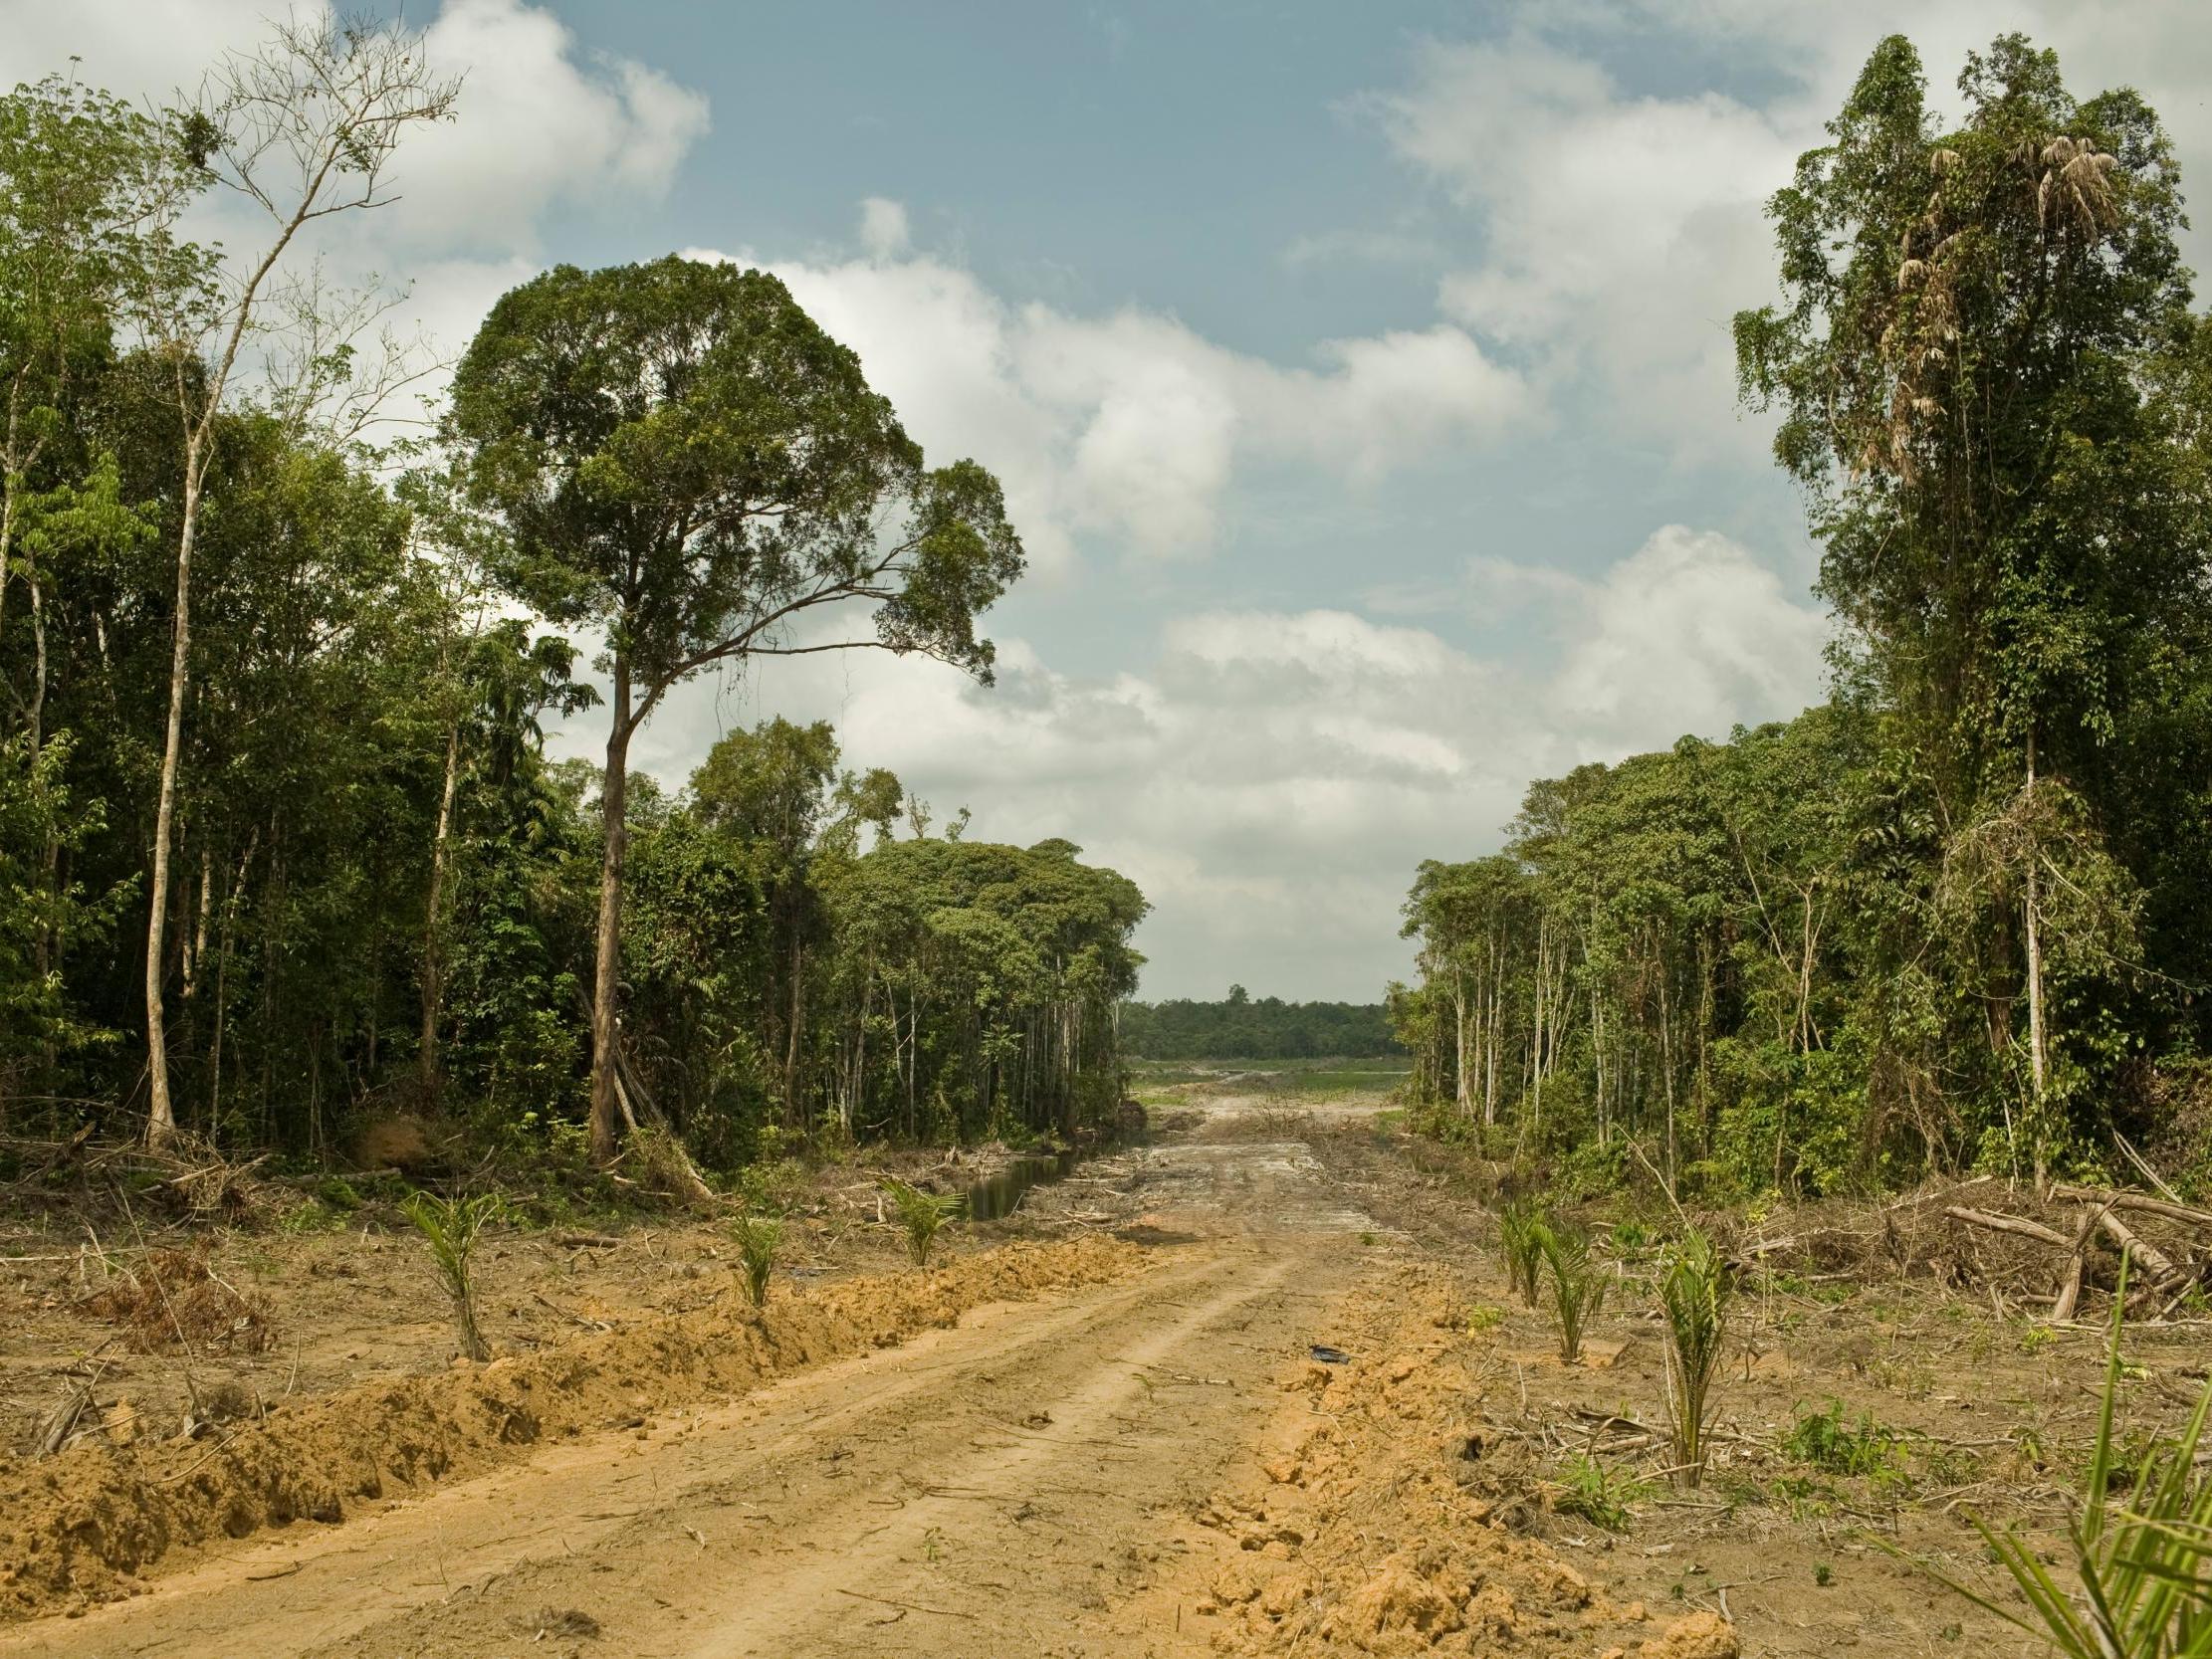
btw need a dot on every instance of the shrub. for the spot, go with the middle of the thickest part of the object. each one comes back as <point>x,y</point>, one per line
<point>1521,1229</point>
<point>451,1226</point>
<point>922,1215</point>
<point>1693,1293</point>
<point>1595,1493</point>
<point>758,1237</point>
<point>1826,1440</point>
<point>1578,1284</point>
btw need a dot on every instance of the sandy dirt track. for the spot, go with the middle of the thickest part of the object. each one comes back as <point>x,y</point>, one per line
<point>998,1484</point>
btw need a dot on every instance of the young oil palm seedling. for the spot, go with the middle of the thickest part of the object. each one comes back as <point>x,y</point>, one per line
<point>1693,1294</point>
<point>1578,1285</point>
<point>922,1215</point>
<point>1521,1231</point>
<point>451,1226</point>
<point>757,1237</point>
<point>2142,1558</point>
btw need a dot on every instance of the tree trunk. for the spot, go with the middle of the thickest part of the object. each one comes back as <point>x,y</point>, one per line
<point>607,978</point>
<point>161,1112</point>
<point>1460,1044</point>
<point>433,921</point>
<point>2036,1063</point>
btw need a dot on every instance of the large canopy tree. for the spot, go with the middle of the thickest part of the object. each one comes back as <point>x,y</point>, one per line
<point>686,461</point>
<point>1969,370</point>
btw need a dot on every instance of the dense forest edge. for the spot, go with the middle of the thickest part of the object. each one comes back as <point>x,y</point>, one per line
<point>286,863</point>
<point>1243,1027</point>
<point>1959,917</point>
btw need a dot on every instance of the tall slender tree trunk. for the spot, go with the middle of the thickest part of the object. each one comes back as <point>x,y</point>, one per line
<point>790,1047</point>
<point>607,978</point>
<point>160,1111</point>
<point>433,921</point>
<point>2038,1061</point>
<point>1460,1041</point>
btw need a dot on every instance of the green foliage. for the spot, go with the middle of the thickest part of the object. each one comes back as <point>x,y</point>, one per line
<point>1598,1492</point>
<point>1577,1286</point>
<point>1694,1293</point>
<point>1244,1027</point>
<point>922,1216</point>
<point>450,1226</point>
<point>758,1238</point>
<point>1943,918</point>
<point>1827,1440</point>
<point>381,887</point>
<point>1522,1233</point>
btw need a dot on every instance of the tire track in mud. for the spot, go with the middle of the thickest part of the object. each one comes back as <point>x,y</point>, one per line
<point>996,1483</point>
<point>802,1473</point>
<point>1008,1496</point>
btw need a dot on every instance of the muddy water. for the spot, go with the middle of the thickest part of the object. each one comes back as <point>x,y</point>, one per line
<point>996,1197</point>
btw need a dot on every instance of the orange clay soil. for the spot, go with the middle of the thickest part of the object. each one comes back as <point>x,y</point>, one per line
<point>82,1526</point>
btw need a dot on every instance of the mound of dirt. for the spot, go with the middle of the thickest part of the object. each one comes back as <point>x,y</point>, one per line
<point>394,1143</point>
<point>82,1526</point>
<point>1374,1526</point>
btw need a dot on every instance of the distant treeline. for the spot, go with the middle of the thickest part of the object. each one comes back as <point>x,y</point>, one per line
<point>1239,1028</point>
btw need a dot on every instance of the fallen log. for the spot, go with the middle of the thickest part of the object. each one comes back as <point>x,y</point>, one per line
<point>2069,1284</point>
<point>2018,1225</point>
<point>2160,1264</point>
<point>2138,1201</point>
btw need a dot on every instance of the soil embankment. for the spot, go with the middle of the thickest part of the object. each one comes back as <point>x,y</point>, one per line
<point>1102,1436</point>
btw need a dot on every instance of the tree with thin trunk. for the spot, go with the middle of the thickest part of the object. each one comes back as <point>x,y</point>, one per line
<point>303,128</point>
<point>687,462</point>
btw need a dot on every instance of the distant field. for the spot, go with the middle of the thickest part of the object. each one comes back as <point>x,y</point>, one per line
<point>1313,1076</point>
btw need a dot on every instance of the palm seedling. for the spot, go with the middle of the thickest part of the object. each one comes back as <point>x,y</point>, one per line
<point>922,1215</point>
<point>2141,1557</point>
<point>1521,1232</point>
<point>1693,1294</point>
<point>1578,1282</point>
<point>757,1237</point>
<point>451,1226</point>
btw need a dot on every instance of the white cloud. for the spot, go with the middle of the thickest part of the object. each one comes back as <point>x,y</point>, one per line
<point>1622,232</point>
<point>1270,779</point>
<point>1131,426</point>
<point>883,227</point>
<point>1623,229</point>
<point>1691,633</point>
<point>540,123</point>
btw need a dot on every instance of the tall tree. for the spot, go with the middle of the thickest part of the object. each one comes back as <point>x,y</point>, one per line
<point>1968,373</point>
<point>303,128</point>
<point>687,462</point>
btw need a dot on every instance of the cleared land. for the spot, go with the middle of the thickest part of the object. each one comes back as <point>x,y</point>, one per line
<point>1096,1429</point>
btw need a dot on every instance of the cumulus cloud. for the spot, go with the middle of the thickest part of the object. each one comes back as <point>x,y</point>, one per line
<point>1130,426</point>
<point>1621,228</point>
<point>883,227</point>
<point>1270,777</point>
<point>1621,231</point>
<point>541,125</point>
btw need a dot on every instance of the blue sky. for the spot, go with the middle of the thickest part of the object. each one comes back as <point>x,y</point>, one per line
<point>1359,376</point>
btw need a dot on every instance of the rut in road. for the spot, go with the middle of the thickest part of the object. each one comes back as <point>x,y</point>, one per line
<point>1010,1495</point>
<point>999,1482</point>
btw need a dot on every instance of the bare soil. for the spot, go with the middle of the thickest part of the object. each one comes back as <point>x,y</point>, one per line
<point>1097,1429</point>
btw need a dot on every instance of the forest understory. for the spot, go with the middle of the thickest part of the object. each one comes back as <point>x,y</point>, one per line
<point>1096,1426</point>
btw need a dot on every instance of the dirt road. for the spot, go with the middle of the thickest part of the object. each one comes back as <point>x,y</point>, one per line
<point>996,1486</point>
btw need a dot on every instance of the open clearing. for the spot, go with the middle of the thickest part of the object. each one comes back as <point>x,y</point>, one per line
<point>1095,1430</point>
